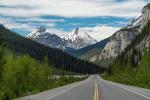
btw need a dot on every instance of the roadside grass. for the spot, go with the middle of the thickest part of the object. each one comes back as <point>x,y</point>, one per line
<point>62,81</point>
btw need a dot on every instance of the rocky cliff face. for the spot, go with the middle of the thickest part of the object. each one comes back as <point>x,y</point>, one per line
<point>144,25</point>
<point>122,38</point>
<point>118,43</point>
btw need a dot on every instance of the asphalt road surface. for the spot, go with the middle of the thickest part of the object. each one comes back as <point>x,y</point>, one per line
<point>93,88</point>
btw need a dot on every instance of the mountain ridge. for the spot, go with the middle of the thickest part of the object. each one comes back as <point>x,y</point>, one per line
<point>123,37</point>
<point>73,40</point>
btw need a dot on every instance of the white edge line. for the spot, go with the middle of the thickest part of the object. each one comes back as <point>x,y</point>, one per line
<point>134,92</point>
<point>64,91</point>
<point>129,90</point>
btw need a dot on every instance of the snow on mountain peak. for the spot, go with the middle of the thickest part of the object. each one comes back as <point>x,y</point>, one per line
<point>78,33</point>
<point>76,39</point>
<point>134,22</point>
<point>37,32</point>
<point>41,29</point>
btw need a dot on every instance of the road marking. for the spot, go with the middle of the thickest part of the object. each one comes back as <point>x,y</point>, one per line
<point>64,91</point>
<point>129,90</point>
<point>135,92</point>
<point>96,95</point>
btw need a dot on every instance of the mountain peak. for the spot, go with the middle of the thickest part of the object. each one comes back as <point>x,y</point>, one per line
<point>147,6</point>
<point>76,31</point>
<point>38,31</point>
<point>78,38</point>
<point>41,29</point>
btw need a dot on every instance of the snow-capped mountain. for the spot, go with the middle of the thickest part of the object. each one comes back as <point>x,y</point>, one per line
<point>71,40</point>
<point>78,39</point>
<point>42,36</point>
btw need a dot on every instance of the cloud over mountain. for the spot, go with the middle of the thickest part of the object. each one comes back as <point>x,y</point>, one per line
<point>64,15</point>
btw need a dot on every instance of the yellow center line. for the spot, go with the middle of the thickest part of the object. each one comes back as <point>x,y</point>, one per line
<point>96,95</point>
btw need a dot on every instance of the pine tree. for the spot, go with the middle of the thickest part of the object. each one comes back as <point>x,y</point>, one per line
<point>2,61</point>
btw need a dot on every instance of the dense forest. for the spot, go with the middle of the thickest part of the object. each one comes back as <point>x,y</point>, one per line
<point>128,70</point>
<point>22,75</point>
<point>57,58</point>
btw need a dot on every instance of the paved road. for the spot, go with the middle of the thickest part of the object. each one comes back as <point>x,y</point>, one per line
<point>93,88</point>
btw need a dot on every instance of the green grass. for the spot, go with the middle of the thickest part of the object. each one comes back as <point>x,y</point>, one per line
<point>8,95</point>
<point>56,83</point>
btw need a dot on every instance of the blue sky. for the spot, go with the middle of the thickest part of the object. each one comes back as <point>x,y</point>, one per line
<point>61,16</point>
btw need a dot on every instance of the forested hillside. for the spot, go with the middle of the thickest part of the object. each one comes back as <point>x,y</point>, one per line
<point>56,58</point>
<point>22,75</point>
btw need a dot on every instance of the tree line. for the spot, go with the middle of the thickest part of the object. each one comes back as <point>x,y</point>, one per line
<point>22,75</point>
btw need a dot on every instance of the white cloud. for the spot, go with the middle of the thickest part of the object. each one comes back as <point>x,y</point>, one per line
<point>10,24</point>
<point>29,25</point>
<point>100,32</point>
<point>33,9</point>
<point>97,32</point>
<point>72,8</point>
<point>38,19</point>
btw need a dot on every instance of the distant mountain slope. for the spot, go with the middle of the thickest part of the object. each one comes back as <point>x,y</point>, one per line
<point>73,40</point>
<point>89,49</point>
<point>38,51</point>
<point>122,38</point>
